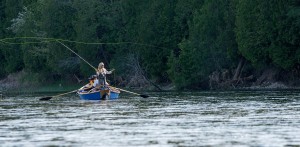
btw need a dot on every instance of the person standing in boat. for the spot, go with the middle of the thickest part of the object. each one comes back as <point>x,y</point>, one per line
<point>101,73</point>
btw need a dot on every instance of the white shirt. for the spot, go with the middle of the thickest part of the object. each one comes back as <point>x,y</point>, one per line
<point>96,82</point>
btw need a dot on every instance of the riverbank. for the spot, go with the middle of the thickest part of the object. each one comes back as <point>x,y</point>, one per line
<point>14,83</point>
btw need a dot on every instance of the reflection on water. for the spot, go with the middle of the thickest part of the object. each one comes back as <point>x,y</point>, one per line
<point>235,118</point>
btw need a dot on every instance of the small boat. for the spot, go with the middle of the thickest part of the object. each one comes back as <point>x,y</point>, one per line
<point>108,93</point>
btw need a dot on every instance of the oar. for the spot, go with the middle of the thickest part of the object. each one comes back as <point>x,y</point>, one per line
<point>141,95</point>
<point>50,97</point>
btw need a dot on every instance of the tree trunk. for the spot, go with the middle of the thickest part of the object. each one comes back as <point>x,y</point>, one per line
<point>238,70</point>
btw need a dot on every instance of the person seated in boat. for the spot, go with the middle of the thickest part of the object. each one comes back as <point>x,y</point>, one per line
<point>101,73</point>
<point>96,85</point>
<point>91,83</point>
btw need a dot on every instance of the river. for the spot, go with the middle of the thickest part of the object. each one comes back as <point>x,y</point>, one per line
<point>229,118</point>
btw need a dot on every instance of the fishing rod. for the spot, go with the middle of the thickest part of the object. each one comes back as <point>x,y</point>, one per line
<point>77,55</point>
<point>141,95</point>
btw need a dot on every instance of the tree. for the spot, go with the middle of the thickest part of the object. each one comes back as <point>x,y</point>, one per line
<point>284,49</point>
<point>210,36</point>
<point>267,32</point>
<point>2,35</point>
<point>56,21</point>
<point>12,53</point>
<point>96,23</point>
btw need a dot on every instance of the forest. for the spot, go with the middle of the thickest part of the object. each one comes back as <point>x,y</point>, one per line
<point>189,44</point>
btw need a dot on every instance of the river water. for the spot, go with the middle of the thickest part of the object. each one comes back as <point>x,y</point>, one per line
<point>231,118</point>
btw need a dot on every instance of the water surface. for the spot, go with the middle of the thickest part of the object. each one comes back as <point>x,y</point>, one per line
<point>232,118</point>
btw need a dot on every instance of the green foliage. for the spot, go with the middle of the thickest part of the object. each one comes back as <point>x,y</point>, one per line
<point>56,22</point>
<point>2,62</point>
<point>284,50</point>
<point>160,36</point>
<point>12,61</point>
<point>2,34</point>
<point>181,41</point>
<point>2,18</point>
<point>268,32</point>
<point>97,22</point>
<point>250,43</point>
<point>205,51</point>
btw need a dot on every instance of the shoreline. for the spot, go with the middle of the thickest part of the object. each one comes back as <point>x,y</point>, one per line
<point>13,85</point>
<point>71,87</point>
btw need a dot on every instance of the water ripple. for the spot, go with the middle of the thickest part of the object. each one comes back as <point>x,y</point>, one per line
<point>234,118</point>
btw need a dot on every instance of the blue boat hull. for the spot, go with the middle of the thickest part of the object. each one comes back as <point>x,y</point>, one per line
<point>99,95</point>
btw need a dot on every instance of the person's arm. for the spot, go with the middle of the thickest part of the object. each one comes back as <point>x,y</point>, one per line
<point>108,72</point>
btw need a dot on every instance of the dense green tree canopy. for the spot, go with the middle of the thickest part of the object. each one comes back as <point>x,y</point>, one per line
<point>182,42</point>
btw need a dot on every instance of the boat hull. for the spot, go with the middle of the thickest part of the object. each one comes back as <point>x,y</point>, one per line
<point>99,95</point>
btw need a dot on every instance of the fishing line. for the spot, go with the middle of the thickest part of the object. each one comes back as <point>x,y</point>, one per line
<point>47,40</point>
<point>7,40</point>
